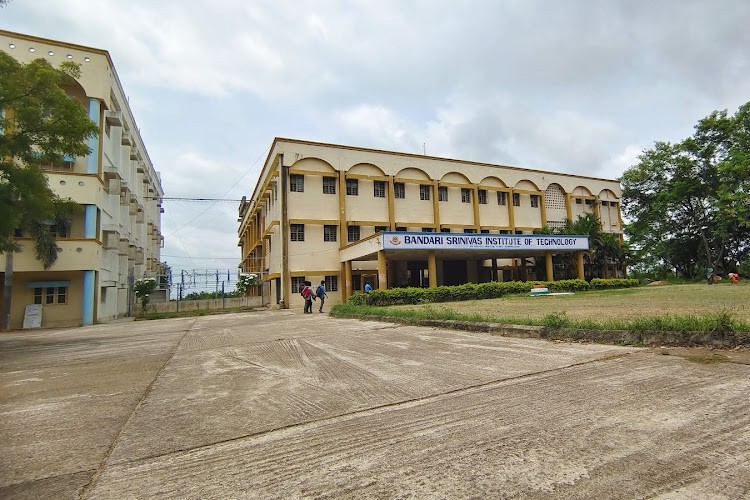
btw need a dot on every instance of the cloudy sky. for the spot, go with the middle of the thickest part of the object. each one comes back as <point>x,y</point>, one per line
<point>578,86</point>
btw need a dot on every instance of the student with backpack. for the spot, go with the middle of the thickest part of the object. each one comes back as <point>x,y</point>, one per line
<point>321,294</point>
<point>307,294</point>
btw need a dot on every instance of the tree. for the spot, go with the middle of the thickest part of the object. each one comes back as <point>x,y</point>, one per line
<point>40,125</point>
<point>605,249</point>
<point>144,287</point>
<point>689,202</point>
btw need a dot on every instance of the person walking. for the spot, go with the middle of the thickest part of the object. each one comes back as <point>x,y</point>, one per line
<point>368,287</point>
<point>307,294</point>
<point>320,292</point>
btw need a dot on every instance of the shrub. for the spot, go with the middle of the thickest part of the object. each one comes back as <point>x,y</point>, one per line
<point>473,291</point>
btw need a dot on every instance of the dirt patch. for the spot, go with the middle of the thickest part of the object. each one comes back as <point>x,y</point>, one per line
<point>706,355</point>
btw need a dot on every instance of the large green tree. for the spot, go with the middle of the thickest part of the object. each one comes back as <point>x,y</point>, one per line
<point>689,202</point>
<point>40,125</point>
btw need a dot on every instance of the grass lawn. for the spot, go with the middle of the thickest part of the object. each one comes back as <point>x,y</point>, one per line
<point>625,304</point>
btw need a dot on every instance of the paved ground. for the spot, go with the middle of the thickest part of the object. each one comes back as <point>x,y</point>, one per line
<point>281,404</point>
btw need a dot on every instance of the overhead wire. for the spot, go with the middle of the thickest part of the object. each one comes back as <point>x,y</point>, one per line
<point>265,152</point>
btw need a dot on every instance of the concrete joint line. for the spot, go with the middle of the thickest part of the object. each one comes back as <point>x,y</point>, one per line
<point>103,465</point>
<point>376,410</point>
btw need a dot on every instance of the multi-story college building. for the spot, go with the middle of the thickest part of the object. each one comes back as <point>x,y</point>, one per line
<point>350,216</point>
<point>117,234</point>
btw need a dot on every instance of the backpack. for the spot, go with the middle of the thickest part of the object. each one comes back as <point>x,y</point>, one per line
<point>306,292</point>
<point>319,291</point>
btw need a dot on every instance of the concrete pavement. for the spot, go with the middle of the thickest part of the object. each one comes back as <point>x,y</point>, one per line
<point>281,404</point>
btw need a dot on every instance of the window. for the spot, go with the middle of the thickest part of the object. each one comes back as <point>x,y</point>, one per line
<point>485,231</point>
<point>399,190</point>
<point>380,229</point>
<point>519,232</point>
<point>445,230</point>
<point>534,201</point>
<point>400,228</point>
<point>442,193</point>
<point>427,230</point>
<point>424,192</point>
<point>589,202</point>
<point>516,200</point>
<point>297,232</point>
<point>504,231</point>
<point>296,183</point>
<point>579,201</point>
<point>469,230</point>
<point>378,189</point>
<point>329,232</point>
<point>60,230</point>
<point>352,233</point>
<point>465,195</point>
<point>332,283</point>
<point>298,283</point>
<point>51,295</point>
<point>482,196</point>
<point>352,187</point>
<point>502,198</point>
<point>329,185</point>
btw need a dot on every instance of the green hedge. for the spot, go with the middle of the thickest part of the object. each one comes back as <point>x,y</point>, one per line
<point>472,291</point>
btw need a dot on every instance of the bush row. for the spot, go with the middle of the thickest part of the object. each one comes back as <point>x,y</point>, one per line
<point>472,291</point>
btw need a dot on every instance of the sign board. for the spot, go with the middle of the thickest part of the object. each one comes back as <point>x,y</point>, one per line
<point>402,240</point>
<point>32,316</point>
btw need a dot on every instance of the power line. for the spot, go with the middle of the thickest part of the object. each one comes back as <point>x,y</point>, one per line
<point>228,200</point>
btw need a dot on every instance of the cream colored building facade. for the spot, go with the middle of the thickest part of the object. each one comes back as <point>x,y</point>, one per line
<point>324,212</point>
<point>117,234</point>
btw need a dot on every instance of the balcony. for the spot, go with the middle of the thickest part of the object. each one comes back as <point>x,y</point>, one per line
<point>74,254</point>
<point>113,118</point>
<point>111,239</point>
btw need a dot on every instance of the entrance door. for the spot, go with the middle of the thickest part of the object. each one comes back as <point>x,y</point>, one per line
<point>454,272</point>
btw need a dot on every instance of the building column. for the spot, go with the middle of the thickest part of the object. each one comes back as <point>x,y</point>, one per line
<point>391,205</point>
<point>286,280</point>
<point>550,267</point>
<point>432,268</point>
<point>524,270</point>
<point>475,200</point>
<point>89,221</point>
<point>382,271</point>
<point>342,210</point>
<point>92,161</point>
<point>435,205</point>
<point>579,266</point>
<point>511,215</point>
<point>494,270</point>
<point>87,298</point>
<point>348,281</point>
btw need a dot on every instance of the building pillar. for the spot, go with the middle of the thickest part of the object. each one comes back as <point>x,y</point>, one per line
<point>89,221</point>
<point>432,268</point>
<point>87,298</point>
<point>494,270</point>
<point>475,203</point>
<point>348,281</point>
<point>391,205</point>
<point>436,205</point>
<point>511,215</point>
<point>579,266</point>
<point>524,270</point>
<point>382,271</point>
<point>472,274</point>
<point>286,280</point>
<point>92,161</point>
<point>550,267</point>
